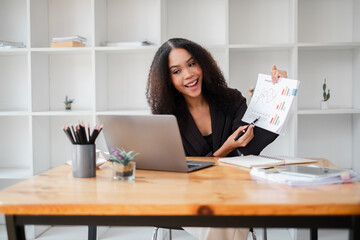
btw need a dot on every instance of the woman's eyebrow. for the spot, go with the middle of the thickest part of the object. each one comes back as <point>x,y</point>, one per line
<point>191,58</point>
<point>173,66</point>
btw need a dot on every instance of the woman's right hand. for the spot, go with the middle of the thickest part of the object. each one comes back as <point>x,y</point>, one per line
<point>244,139</point>
<point>230,145</point>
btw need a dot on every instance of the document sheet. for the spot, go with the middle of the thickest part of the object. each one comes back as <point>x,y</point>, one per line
<point>272,103</point>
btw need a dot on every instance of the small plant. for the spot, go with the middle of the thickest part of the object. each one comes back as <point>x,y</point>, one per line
<point>68,103</point>
<point>251,90</point>
<point>326,96</point>
<point>121,156</point>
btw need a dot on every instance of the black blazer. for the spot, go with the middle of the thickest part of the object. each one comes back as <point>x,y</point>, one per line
<point>223,124</point>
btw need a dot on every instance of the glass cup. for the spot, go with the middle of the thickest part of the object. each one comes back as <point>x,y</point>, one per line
<point>124,172</point>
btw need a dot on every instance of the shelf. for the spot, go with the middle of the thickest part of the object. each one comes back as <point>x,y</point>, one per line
<point>13,51</point>
<point>329,46</point>
<point>64,50</point>
<point>125,112</point>
<point>261,47</point>
<point>14,113</point>
<point>150,48</point>
<point>328,111</point>
<point>63,113</point>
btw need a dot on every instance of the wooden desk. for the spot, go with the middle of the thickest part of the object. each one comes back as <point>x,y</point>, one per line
<point>221,196</point>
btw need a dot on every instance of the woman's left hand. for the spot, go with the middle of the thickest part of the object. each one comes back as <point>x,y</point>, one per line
<point>276,74</point>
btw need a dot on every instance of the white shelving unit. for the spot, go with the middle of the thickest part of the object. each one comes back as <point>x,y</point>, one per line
<point>312,40</point>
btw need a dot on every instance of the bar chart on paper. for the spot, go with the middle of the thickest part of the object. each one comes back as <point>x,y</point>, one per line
<point>272,103</point>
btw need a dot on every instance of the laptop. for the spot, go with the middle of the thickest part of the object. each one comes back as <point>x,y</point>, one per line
<point>156,137</point>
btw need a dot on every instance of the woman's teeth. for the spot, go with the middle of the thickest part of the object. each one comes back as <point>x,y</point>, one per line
<point>192,84</point>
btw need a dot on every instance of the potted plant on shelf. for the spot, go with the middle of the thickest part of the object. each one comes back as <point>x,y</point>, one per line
<point>326,96</point>
<point>68,103</point>
<point>250,93</point>
<point>123,166</point>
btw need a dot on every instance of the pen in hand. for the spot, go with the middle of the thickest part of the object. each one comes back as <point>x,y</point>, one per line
<point>245,129</point>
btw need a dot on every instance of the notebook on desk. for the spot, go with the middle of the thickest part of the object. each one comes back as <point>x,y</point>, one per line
<point>156,137</point>
<point>263,161</point>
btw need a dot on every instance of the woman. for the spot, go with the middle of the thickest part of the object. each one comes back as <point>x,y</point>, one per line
<point>185,81</point>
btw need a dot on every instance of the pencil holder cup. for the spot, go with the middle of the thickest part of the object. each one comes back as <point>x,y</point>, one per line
<point>83,160</point>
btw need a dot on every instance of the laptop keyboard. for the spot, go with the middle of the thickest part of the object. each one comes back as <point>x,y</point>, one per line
<point>192,165</point>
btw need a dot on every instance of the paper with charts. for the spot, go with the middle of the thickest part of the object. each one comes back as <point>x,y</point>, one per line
<point>272,103</point>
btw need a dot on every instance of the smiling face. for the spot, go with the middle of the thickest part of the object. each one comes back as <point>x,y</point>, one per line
<point>186,73</point>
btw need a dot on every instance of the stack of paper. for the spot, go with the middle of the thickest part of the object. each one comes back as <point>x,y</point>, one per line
<point>8,44</point>
<point>127,44</point>
<point>263,161</point>
<point>73,41</point>
<point>272,103</point>
<point>272,174</point>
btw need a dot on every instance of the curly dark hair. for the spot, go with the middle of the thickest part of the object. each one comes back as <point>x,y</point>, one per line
<point>161,94</point>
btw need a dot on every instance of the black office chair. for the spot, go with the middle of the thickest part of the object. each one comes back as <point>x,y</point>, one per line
<point>156,229</point>
<point>92,232</point>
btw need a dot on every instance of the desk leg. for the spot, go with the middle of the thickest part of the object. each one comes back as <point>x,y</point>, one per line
<point>314,234</point>
<point>355,230</point>
<point>92,233</point>
<point>14,232</point>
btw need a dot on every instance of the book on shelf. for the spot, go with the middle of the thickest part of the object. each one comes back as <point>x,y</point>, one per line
<point>251,161</point>
<point>76,38</point>
<point>9,44</point>
<point>67,44</point>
